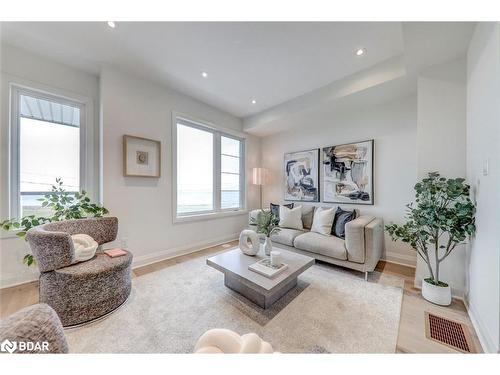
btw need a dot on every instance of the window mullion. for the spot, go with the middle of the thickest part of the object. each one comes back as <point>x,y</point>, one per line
<point>217,172</point>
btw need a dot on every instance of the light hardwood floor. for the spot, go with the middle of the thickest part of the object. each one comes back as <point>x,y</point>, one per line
<point>411,335</point>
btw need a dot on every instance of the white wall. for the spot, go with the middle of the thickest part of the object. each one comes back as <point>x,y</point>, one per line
<point>143,205</point>
<point>441,147</point>
<point>24,68</point>
<point>393,127</point>
<point>123,105</point>
<point>483,145</point>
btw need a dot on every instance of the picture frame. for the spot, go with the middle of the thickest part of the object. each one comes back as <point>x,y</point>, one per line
<point>301,176</point>
<point>348,173</point>
<point>141,157</point>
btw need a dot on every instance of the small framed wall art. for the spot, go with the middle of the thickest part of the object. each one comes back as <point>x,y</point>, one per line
<point>141,157</point>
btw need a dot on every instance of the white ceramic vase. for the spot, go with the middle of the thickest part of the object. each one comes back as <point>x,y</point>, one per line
<point>440,295</point>
<point>268,246</point>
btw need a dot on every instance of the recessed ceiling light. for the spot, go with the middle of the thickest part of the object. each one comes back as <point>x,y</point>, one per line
<point>111,24</point>
<point>204,74</point>
<point>254,101</point>
<point>360,51</point>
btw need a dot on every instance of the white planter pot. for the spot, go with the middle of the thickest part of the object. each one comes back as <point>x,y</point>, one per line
<point>440,295</point>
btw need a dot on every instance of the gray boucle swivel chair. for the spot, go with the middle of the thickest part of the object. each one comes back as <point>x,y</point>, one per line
<point>36,324</point>
<point>79,292</point>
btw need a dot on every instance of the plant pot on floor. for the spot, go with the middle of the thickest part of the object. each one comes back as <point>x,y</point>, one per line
<point>438,294</point>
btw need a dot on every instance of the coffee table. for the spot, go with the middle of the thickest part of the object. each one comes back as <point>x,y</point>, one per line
<point>259,289</point>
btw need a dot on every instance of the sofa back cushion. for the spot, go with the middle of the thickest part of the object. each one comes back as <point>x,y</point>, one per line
<point>307,216</point>
<point>291,217</point>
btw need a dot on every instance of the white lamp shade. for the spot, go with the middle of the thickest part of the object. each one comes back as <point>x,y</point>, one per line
<point>259,176</point>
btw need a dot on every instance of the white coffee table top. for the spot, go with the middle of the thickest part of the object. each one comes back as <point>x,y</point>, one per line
<point>236,263</point>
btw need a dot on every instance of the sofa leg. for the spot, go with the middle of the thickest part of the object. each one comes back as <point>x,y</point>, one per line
<point>366,275</point>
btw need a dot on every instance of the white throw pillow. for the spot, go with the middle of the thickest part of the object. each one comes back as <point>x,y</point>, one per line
<point>291,217</point>
<point>323,220</point>
<point>85,247</point>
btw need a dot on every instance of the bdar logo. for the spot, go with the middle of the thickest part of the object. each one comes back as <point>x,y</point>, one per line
<point>8,346</point>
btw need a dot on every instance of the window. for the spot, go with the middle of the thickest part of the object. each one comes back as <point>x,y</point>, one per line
<point>46,145</point>
<point>209,167</point>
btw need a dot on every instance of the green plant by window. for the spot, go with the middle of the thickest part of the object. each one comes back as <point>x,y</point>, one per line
<point>266,223</point>
<point>64,206</point>
<point>441,218</point>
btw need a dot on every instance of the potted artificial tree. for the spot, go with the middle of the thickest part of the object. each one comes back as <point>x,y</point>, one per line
<point>441,218</point>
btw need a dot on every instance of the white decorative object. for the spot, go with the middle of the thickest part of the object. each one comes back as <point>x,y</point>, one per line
<point>249,242</point>
<point>275,258</point>
<point>85,247</point>
<point>225,341</point>
<point>323,220</point>
<point>268,246</point>
<point>265,268</point>
<point>440,295</point>
<point>291,217</point>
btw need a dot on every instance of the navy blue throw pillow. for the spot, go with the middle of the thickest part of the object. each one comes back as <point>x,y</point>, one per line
<point>341,219</point>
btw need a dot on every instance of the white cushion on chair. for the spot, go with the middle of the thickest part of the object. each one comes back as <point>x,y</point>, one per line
<point>85,247</point>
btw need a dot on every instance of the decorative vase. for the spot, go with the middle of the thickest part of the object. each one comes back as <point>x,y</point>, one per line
<point>268,246</point>
<point>440,295</point>
<point>249,242</point>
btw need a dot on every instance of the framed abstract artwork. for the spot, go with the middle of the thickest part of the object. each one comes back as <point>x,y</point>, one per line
<point>141,157</point>
<point>348,173</point>
<point>302,176</point>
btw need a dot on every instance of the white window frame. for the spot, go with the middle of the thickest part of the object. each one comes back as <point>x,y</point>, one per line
<point>15,169</point>
<point>217,132</point>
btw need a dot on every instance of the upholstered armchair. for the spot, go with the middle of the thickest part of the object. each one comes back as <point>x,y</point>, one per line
<point>79,292</point>
<point>36,324</point>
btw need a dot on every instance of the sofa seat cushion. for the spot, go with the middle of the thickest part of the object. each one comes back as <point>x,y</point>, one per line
<point>285,236</point>
<point>329,246</point>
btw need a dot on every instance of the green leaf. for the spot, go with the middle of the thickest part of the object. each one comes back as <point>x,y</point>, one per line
<point>63,205</point>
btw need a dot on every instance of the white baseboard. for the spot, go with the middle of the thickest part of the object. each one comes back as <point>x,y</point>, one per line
<point>403,259</point>
<point>14,279</point>
<point>482,333</point>
<point>157,256</point>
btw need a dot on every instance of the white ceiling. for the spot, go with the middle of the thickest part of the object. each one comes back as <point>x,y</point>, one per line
<point>270,62</point>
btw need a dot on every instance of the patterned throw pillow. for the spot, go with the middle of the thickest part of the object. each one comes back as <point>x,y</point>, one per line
<point>275,208</point>
<point>341,219</point>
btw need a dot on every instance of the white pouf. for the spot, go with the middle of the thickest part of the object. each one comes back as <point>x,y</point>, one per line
<point>254,246</point>
<point>225,341</point>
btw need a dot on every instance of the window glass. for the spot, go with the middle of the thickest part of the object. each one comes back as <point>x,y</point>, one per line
<point>194,170</point>
<point>48,149</point>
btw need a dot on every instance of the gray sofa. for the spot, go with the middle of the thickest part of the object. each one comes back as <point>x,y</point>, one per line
<point>361,250</point>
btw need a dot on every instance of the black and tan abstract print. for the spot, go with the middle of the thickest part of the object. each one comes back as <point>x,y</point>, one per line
<point>348,173</point>
<point>302,176</point>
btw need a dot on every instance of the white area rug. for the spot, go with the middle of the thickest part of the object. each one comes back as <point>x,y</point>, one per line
<point>330,311</point>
